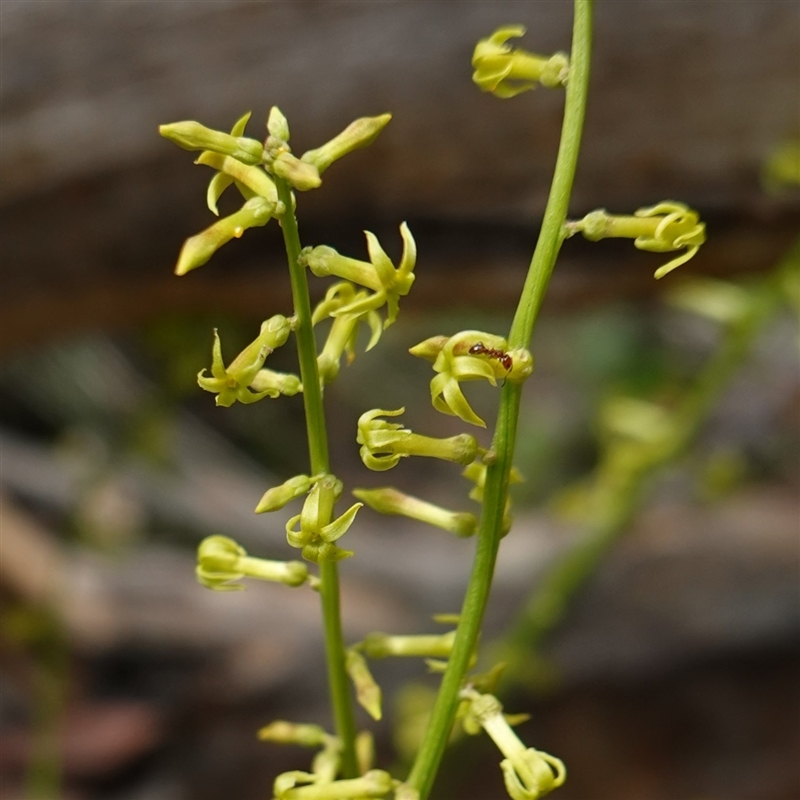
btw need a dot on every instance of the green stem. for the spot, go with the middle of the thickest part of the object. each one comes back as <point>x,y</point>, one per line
<point>318,455</point>
<point>552,233</point>
<point>426,765</point>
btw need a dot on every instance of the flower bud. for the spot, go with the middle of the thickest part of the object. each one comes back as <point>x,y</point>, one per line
<point>273,384</point>
<point>282,732</point>
<point>192,135</point>
<point>380,645</point>
<point>391,501</point>
<point>198,249</point>
<point>277,124</point>
<point>356,135</point>
<point>368,693</point>
<point>278,496</point>
<point>299,174</point>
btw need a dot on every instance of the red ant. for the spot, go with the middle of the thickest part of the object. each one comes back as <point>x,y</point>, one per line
<point>504,358</point>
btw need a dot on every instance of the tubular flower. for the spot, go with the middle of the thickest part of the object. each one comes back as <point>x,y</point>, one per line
<point>231,383</point>
<point>470,356</point>
<point>661,228</point>
<point>316,533</point>
<point>528,773</point>
<point>506,72</point>
<point>391,501</point>
<point>221,562</point>
<point>383,443</point>
<point>378,274</point>
<point>198,249</point>
<point>342,335</point>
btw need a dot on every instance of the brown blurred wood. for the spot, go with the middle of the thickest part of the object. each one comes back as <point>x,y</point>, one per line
<point>688,99</point>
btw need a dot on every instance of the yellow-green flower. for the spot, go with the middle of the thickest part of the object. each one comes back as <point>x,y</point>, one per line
<point>221,562</point>
<point>344,330</point>
<point>384,443</point>
<point>192,135</point>
<point>528,774</point>
<point>388,500</point>
<point>312,529</point>
<point>277,497</point>
<point>198,249</point>
<point>359,133</point>
<point>470,356</point>
<point>388,284</point>
<point>231,384</point>
<point>506,72</point>
<point>662,228</point>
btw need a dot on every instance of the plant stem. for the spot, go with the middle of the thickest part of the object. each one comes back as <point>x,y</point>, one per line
<point>341,701</point>
<point>424,770</point>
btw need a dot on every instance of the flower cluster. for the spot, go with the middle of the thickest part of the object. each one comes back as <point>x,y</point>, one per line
<point>251,167</point>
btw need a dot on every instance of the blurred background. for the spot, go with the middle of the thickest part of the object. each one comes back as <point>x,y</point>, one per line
<point>663,663</point>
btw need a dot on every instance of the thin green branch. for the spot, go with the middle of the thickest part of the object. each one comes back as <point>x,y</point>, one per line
<point>341,699</point>
<point>426,765</point>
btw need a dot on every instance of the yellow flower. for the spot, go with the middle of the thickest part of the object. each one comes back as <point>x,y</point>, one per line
<point>342,335</point>
<point>661,228</point>
<point>378,274</point>
<point>231,383</point>
<point>506,72</point>
<point>384,443</point>
<point>470,356</point>
<point>528,774</point>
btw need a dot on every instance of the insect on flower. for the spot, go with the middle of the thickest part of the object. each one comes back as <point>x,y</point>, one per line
<point>504,358</point>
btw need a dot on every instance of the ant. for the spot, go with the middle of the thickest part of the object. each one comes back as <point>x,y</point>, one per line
<point>504,358</point>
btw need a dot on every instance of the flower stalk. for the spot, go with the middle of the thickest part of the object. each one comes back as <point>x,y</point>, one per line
<point>425,766</point>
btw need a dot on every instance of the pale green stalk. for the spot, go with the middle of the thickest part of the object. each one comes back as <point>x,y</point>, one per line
<point>426,765</point>
<point>318,455</point>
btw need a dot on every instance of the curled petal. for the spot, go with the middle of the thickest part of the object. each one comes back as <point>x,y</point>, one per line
<point>216,186</point>
<point>336,529</point>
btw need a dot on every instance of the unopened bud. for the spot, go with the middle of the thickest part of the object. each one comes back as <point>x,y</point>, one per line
<point>356,135</point>
<point>192,135</point>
